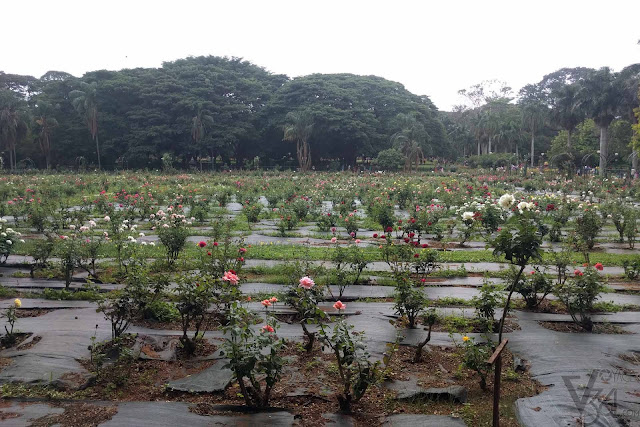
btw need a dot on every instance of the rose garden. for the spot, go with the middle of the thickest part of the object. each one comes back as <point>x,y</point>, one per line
<point>321,298</point>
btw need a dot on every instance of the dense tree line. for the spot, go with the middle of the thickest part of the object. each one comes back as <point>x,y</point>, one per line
<point>192,110</point>
<point>542,120</point>
<point>201,108</point>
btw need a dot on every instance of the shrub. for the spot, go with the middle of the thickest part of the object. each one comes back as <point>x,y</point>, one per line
<point>119,308</point>
<point>519,244</point>
<point>41,253</point>
<point>491,296</point>
<point>409,301</point>
<point>252,212</point>
<point>254,358</point>
<point>579,294</point>
<point>8,240</point>
<point>390,159</point>
<point>357,373</point>
<point>382,213</point>
<point>348,264</point>
<point>303,298</point>
<point>632,268</point>
<point>161,311</point>
<point>587,226</point>
<point>194,295</point>
<point>10,314</point>
<point>532,285</point>
<point>326,222</point>
<point>173,231</point>
<point>429,319</point>
<point>475,356</point>
<point>288,222</point>
<point>630,226</point>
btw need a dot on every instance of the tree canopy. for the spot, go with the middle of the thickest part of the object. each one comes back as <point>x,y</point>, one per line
<point>202,108</point>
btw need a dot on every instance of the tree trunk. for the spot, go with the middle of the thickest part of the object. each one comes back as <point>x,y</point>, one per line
<point>98,151</point>
<point>604,145</point>
<point>489,149</point>
<point>568,139</point>
<point>634,161</point>
<point>478,147</point>
<point>533,146</point>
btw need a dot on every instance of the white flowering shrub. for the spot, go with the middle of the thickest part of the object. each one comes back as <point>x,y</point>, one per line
<point>8,239</point>
<point>173,229</point>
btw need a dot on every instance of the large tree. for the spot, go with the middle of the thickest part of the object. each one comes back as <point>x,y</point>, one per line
<point>46,123</point>
<point>629,78</point>
<point>601,96</point>
<point>410,140</point>
<point>84,101</point>
<point>534,112</point>
<point>353,115</point>
<point>13,124</point>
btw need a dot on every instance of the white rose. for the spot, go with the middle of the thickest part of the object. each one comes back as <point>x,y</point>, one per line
<point>466,216</point>
<point>506,200</point>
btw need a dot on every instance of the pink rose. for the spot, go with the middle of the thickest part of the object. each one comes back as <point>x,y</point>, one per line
<point>306,282</point>
<point>231,278</point>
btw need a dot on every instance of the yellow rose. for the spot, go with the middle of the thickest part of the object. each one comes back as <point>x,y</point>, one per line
<point>18,303</point>
<point>465,338</point>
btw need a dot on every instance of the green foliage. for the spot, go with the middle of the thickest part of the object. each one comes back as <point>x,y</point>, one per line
<point>173,231</point>
<point>194,296</point>
<point>88,294</point>
<point>305,303</point>
<point>8,241</point>
<point>492,160</point>
<point>475,356</point>
<point>10,314</point>
<point>326,222</point>
<point>520,243</point>
<point>348,263</point>
<point>161,311</point>
<point>356,371</point>
<point>632,268</point>
<point>579,294</point>
<point>119,308</point>
<point>491,296</point>
<point>252,211</point>
<point>409,302</point>
<point>532,287</point>
<point>382,213</point>
<point>390,159</point>
<point>253,357</point>
<point>587,226</point>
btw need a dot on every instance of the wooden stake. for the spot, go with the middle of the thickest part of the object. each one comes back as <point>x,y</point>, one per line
<point>496,359</point>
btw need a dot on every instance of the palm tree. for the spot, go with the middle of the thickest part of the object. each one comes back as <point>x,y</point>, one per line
<point>533,112</point>
<point>84,101</point>
<point>409,139</point>
<point>601,97</point>
<point>630,84</point>
<point>565,111</point>
<point>298,129</point>
<point>199,123</point>
<point>46,124</point>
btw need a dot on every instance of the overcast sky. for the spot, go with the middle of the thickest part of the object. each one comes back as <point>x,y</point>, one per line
<point>432,47</point>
